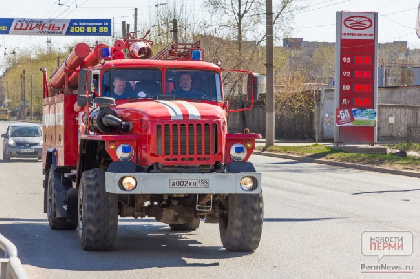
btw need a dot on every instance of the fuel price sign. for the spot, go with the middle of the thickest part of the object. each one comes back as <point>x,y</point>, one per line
<point>356,86</point>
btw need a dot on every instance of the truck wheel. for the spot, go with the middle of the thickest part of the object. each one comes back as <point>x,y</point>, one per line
<point>97,212</point>
<point>240,225</point>
<point>190,226</point>
<point>56,223</point>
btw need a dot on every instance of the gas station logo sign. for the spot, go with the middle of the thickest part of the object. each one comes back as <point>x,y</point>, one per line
<point>360,26</point>
<point>357,22</point>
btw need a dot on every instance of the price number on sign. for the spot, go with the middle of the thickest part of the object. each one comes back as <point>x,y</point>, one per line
<point>362,87</point>
<point>363,60</point>
<point>362,74</point>
<point>361,101</point>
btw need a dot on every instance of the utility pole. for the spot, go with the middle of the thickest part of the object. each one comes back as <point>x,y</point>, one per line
<point>31,100</point>
<point>124,31</point>
<point>269,114</point>
<point>113,27</point>
<point>316,120</point>
<point>24,99</point>
<point>21,93</point>
<point>135,22</point>
<point>175,29</point>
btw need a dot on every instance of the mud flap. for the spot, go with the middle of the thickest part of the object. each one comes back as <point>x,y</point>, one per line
<point>60,194</point>
<point>72,203</point>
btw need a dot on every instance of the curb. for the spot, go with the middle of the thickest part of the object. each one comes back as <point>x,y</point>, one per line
<point>338,164</point>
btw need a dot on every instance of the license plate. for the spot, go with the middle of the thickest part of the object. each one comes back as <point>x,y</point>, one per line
<point>27,150</point>
<point>189,183</point>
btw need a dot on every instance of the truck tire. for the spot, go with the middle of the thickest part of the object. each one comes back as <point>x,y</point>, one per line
<point>97,213</point>
<point>240,225</point>
<point>56,223</point>
<point>190,226</point>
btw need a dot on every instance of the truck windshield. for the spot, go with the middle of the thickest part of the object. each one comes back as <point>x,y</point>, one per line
<point>132,83</point>
<point>193,84</point>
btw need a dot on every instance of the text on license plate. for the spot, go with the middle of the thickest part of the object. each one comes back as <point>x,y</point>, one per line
<point>189,183</point>
<point>27,150</point>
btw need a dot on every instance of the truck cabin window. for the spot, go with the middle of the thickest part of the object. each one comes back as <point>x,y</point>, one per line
<point>183,84</point>
<point>189,84</point>
<point>132,84</point>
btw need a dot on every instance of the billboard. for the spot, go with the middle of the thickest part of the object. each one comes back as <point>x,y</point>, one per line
<point>356,77</point>
<point>55,27</point>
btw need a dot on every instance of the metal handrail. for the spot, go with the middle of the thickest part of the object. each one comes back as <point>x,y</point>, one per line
<point>11,267</point>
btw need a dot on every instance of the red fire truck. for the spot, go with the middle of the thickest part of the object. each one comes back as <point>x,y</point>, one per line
<point>121,139</point>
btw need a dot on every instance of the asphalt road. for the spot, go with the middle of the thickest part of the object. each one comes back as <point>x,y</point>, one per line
<point>314,219</point>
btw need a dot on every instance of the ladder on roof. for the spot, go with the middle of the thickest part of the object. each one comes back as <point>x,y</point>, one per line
<point>177,51</point>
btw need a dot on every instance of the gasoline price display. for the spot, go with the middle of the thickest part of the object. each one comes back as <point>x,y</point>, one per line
<point>362,74</point>
<point>362,102</point>
<point>357,73</point>
<point>356,60</point>
<point>362,60</point>
<point>362,88</point>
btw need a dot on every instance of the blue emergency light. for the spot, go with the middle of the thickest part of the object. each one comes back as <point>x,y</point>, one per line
<point>105,52</point>
<point>126,149</point>
<point>239,149</point>
<point>196,55</point>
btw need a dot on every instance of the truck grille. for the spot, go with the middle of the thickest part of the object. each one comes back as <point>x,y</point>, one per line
<point>186,139</point>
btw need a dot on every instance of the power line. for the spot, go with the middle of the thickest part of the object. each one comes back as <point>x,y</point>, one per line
<point>402,11</point>
<point>317,26</point>
<point>386,5</point>
<point>309,10</point>
<point>397,22</point>
<point>393,39</point>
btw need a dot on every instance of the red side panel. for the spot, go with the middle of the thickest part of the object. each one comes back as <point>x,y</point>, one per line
<point>60,128</point>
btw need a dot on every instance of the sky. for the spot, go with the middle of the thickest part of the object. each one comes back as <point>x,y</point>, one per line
<point>396,19</point>
<point>316,22</point>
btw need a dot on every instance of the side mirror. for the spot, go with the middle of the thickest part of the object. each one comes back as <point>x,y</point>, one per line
<point>3,136</point>
<point>250,79</point>
<point>254,82</point>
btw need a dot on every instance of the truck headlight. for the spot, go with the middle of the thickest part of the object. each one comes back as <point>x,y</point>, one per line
<point>238,152</point>
<point>249,183</point>
<point>128,183</point>
<point>125,152</point>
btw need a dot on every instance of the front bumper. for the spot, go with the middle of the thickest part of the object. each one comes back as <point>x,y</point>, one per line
<point>24,152</point>
<point>160,183</point>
